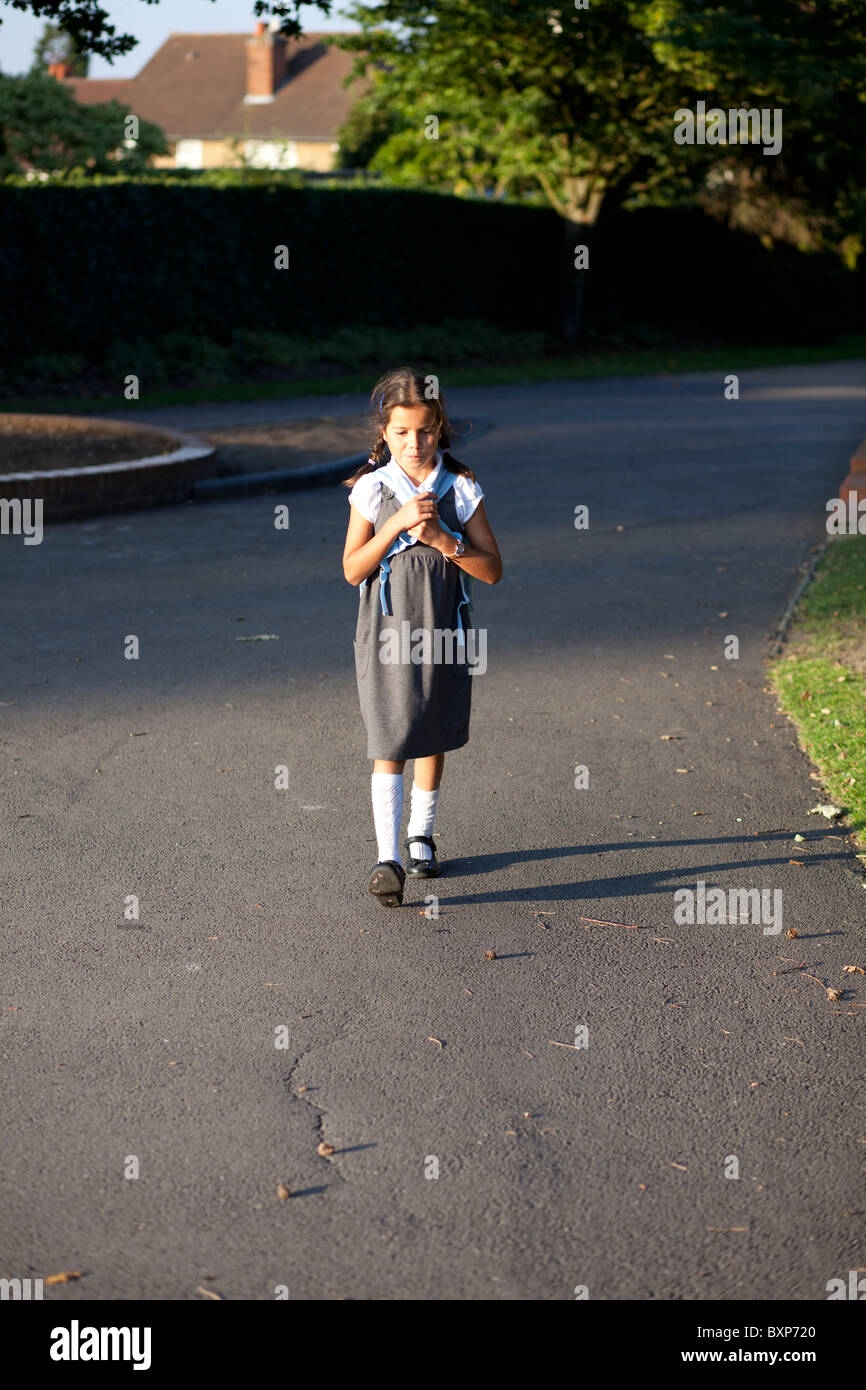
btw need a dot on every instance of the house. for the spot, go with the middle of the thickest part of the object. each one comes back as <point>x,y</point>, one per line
<point>221,99</point>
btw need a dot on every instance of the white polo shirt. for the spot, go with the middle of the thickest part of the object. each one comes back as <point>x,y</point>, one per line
<point>366,495</point>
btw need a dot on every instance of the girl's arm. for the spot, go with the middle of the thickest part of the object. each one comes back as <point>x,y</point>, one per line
<point>481,557</point>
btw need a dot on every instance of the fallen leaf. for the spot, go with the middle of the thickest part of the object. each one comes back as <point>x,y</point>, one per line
<point>489,955</point>
<point>834,994</point>
<point>826,809</point>
<point>282,1191</point>
<point>853,969</point>
<point>791,933</point>
<point>65,1278</point>
<point>324,1150</point>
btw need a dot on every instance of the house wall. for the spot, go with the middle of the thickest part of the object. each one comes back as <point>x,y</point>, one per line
<point>318,155</point>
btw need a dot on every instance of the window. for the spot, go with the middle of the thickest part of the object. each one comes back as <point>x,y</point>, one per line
<point>188,154</point>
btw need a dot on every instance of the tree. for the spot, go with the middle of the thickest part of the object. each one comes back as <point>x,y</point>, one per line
<point>86,22</point>
<point>495,94</point>
<point>364,131</point>
<point>43,127</point>
<point>54,45</point>
<point>498,96</point>
<point>806,59</point>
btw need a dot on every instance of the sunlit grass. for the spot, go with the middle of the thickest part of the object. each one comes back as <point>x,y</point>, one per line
<point>821,683</point>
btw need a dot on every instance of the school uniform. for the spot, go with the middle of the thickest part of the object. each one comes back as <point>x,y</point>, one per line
<point>414,709</point>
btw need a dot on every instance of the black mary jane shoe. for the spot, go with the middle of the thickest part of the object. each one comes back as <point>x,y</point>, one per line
<point>386,883</point>
<point>422,868</point>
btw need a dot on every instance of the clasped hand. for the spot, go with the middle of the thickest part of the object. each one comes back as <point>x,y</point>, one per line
<point>420,517</point>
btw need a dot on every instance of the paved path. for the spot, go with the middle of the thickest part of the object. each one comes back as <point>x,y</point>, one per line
<point>603,1166</point>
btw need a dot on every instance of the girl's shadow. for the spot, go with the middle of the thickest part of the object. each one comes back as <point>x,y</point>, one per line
<point>624,885</point>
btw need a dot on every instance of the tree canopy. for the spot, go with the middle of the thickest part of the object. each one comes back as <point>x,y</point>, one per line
<point>56,46</point>
<point>43,128</point>
<point>580,103</point>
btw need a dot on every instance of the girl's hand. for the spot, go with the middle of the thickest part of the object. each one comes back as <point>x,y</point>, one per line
<point>419,513</point>
<point>429,533</point>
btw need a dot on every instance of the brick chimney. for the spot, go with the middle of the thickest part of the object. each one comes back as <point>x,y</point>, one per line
<point>58,70</point>
<point>266,64</point>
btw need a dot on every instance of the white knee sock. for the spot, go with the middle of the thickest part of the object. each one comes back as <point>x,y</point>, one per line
<point>421,816</point>
<point>387,792</point>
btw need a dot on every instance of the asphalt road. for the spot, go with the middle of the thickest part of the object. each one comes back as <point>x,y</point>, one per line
<point>155,1040</point>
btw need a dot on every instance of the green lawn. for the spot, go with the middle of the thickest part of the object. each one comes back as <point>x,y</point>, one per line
<point>222,380</point>
<point>821,680</point>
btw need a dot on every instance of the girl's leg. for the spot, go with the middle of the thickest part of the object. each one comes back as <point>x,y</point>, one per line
<point>428,772</point>
<point>425,795</point>
<point>387,793</point>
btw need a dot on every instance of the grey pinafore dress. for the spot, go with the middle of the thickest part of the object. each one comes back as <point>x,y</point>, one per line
<point>413,710</point>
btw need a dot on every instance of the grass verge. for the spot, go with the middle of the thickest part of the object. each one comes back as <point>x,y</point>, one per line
<point>821,681</point>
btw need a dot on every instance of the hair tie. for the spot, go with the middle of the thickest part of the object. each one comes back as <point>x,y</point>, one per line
<point>381,401</point>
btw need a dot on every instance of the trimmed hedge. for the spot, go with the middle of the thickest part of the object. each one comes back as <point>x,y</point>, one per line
<point>85,264</point>
<point>90,262</point>
<point>681,271</point>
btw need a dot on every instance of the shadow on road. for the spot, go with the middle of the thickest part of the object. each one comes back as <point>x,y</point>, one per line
<point>631,885</point>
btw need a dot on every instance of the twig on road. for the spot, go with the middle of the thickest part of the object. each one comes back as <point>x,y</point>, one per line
<point>822,983</point>
<point>792,971</point>
<point>596,922</point>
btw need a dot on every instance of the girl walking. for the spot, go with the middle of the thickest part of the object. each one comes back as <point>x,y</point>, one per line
<point>418,534</point>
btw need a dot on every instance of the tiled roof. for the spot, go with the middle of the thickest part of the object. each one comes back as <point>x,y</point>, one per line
<point>194,86</point>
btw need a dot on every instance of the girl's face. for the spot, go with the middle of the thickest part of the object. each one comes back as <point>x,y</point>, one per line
<point>412,437</point>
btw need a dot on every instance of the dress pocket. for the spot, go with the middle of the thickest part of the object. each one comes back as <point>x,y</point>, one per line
<point>362,658</point>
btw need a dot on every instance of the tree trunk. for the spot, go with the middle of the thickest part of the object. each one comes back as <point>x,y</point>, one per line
<point>579,218</point>
<point>574,234</point>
